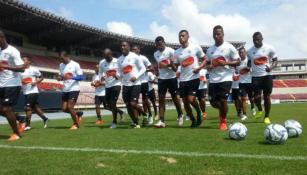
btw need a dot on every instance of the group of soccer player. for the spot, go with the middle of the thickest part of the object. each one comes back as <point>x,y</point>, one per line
<point>185,73</point>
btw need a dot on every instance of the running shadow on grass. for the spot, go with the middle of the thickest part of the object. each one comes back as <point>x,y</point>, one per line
<point>58,127</point>
<point>4,137</point>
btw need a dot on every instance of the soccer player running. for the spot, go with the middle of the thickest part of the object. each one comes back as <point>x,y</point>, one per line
<point>152,80</point>
<point>167,80</point>
<point>109,75</point>
<point>144,85</point>
<point>202,91</point>
<point>29,79</point>
<point>245,85</point>
<point>188,56</point>
<point>131,68</point>
<point>235,93</point>
<point>70,74</point>
<point>222,58</point>
<point>262,59</point>
<point>10,84</point>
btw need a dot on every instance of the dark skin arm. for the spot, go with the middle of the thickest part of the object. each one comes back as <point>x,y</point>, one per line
<point>274,64</point>
<point>202,65</point>
<point>20,68</point>
<point>38,80</point>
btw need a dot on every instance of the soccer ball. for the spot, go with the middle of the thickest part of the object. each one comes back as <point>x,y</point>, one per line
<point>293,127</point>
<point>275,134</point>
<point>237,131</point>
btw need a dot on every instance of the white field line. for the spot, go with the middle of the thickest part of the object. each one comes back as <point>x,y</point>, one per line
<point>160,152</point>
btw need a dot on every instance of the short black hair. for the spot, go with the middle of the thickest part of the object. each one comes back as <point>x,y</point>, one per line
<point>137,46</point>
<point>126,42</point>
<point>241,48</point>
<point>159,38</point>
<point>256,34</point>
<point>64,53</point>
<point>181,31</point>
<point>218,27</point>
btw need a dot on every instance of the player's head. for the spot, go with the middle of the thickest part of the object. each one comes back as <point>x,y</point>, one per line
<point>183,37</point>
<point>242,53</point>
<point>136,49</point>
<point>108,55</point>
<point>218,34</point>
<point>160,43</point>
<point>125,47</point>
<point>64,57</point>
<point>27,61</point>
<point>3,42</point>
<point>257,39</point>
<point>96,68</point>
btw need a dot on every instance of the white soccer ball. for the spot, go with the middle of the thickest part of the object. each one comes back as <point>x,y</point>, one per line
<point>293,127</point>
<point>275,134</point>
<point>237,131</point>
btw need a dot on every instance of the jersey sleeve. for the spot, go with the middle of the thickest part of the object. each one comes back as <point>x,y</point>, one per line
<point>272,53</point>
<point>37,73</point>
<point>78,70</point>
<point>141,67</point>
<point>17,58</point>
<point>233,53</point>
<point>199,52</point>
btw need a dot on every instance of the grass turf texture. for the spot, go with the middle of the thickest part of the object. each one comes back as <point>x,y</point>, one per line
<point>207,139</point>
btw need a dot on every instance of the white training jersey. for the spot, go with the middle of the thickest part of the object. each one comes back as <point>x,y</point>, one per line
<point>130,66</point>
<point>27,78</point>
<point>236,81</point>
<point>147,63</point>
<point>245,74</point>
<point>10,56</point>
<point>164,57</point>
<point>261,58</point>
<point>224,52</point>
<point>151,78</point>
<point>202,78</point>
<point>100,90</point>
<point>68,71</point>
<point>107,70</point>
<point>188,59</point>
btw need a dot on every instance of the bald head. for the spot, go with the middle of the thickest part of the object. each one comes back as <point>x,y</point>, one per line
<point>108,54</point>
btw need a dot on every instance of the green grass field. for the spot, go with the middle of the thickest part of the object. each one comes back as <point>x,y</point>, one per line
<point>171,150</point>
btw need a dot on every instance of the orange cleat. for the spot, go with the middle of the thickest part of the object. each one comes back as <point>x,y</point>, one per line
<point>21,127</point>
<point>13,137</point>
<point>204,115</point>
<point>223,124</point>
<point>99,122</point>
<point>74,127</point>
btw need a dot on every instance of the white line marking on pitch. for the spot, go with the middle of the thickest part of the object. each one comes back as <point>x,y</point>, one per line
<point>159,152</point>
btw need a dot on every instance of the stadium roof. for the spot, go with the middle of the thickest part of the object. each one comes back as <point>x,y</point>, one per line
<point>47,29</point>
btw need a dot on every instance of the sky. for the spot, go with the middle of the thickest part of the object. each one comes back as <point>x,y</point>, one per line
<point>283,23</point>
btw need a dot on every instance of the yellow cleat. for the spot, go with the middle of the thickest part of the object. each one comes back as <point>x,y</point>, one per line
<point>267,120</point>
<point>258,114</point>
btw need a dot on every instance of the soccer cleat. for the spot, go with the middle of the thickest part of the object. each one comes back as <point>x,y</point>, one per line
<point>223,124</point>
<point>113,126</point>
<point>157,117</point>
<point>258,114</point>
<point>98,122</point>
<point>267,120</point>
<point>253,112</point>
<point>160,124</point>
<point>136,126</point>
<point>21,127</point>
<point>150,120</point>
<point>74,127</point>
<point>46,122</point>
<point>187,118</point>
<point>204,115</point>
<point>243,117</point>
<point>27,128</point>
<point>13,137</point>
<point>180,121</point>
